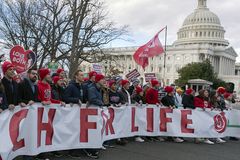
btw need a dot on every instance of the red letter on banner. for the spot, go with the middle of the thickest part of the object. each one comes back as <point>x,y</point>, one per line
<point>163,118</point>
<point>85,125</point>
<point>48,127</point>
<point>134,128</point>
<point>14,129</point>
<point>150,119</point>
<point>185,121</point>
<point>110,121</point>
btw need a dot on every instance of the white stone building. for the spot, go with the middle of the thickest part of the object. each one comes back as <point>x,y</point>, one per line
<point>201,36</point>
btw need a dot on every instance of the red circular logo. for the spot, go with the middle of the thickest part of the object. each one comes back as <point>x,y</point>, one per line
<point>220,122</point>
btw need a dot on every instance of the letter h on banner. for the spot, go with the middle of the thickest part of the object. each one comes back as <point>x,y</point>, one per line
<point>48,127</point>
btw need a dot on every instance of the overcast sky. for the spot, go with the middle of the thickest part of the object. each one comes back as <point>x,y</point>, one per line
<point>147,17</point>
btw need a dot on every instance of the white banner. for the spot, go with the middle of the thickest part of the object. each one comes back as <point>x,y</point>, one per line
<point>30,131</point>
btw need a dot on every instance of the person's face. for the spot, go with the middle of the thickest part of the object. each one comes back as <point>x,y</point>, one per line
<point>103,82</point>
<point>60,83</point>
<point>141,93</point>
<point>114,87</point>
<point>126,86</point>
<point>62,75</point>
<point>33,75</point>
<point>93,78</point>
<point>10,72</point>
<point>80,77</point>
<point>48,78</point>
<point>206,93</point>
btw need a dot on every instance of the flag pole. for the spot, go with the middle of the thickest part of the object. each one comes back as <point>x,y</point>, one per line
<point>164,60</point>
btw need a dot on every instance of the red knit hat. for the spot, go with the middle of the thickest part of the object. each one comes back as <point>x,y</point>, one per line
<point>154,82</point>
<point>91,74</point>
<point>226,95</point>
<point>189,91</point>
<point>124,82</point>
<point>110,83</point>
<point>99,77</point>
<point>6,65</point>
<point>169,89</point>
<point>138,89</point>
<point>56,79</point>
<point>221,90</point>
<point>59,70</point>
<point>86,79</point>
<point>43,72</point>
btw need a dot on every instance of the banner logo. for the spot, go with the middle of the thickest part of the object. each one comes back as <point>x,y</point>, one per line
<point>220,122</point>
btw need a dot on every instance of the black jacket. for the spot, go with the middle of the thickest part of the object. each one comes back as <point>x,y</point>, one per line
<point>11,92</point>
<point>95,96</point>
<point>75,92</point>
<point>25,92</point>
<point>114,97</point>
<point>137,98</point>
<point>124,96</point>
<point>3,101</point>
<point>168,101</point>
<point>57,93</point>
<point>188,101</point>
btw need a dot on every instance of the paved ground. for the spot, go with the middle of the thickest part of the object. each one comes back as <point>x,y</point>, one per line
<point>170,151</point>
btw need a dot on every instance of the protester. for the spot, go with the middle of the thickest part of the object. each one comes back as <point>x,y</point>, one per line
<point>178,97</point>
<point>58,88</point>
<point>61,73</point>
<point>44,88</point>
<point>169,100</point>
<point>91,78</point>
<point>3,98</point>
<point>203,101</point>
<point>76,92</point>
<point>10,86</point>
<point>221,91</point>
<point>114,96</point>
<point>125,95</point>
<point>28,90</point>
<point>135,83</point>
<point>152,93</point>
<point>188,99</point>
<point>138,97</point>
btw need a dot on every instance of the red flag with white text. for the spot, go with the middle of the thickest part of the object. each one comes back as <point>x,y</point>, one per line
<point>151,49</point>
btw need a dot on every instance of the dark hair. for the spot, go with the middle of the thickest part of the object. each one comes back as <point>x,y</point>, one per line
<point>76,73</point>
<point>213,98</point>
<point>1,87</point>
<point>30,69</point>
<point>201,94</point>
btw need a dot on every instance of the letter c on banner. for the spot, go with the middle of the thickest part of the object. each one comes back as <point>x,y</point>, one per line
<point>14,129</point>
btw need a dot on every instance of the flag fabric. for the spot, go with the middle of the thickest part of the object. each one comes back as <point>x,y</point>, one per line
<point>150,49</point>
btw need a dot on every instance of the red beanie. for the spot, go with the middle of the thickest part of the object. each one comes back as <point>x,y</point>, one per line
<point>111,83</point>
<point>138,89</point>
<point>169,89</point>
<point>56,79</point>
<point>91,74</point>
<point>189,91</point>
<point>86,79</point>
<point>59,70</point>
<point>99,77</point>
<point>154,82</point>
<point>43,72</point>
<point>221,90</point>
<point>6,65</point>
<point>124,82</point>
<point>226,95</point>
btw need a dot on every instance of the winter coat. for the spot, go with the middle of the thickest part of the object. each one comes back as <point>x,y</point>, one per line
<point>25,92</point>
<point>44,92</point>
<point>11,91</point>
<point>124,96</point>
<point>57,92</point>
<point>152,96</point>
<point>75,92</point>
<point>94,95</point>
<point>168,101</point>
<point>3,101</point>
<point>114,97</point>
<point>199,102</point>
<point>188,101</point>
<point>138,99</point>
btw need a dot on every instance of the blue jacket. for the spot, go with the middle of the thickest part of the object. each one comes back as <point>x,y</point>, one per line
<point>94,95</point>
<point>75,92</point>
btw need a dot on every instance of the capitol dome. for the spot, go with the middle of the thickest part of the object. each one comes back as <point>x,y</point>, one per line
<point>202,27</point>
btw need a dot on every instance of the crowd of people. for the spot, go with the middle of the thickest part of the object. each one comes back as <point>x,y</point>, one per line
<point>45,87</point>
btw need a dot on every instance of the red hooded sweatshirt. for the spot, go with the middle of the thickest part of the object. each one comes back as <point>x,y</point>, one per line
<point>152,96</point>
<point>44,92</point>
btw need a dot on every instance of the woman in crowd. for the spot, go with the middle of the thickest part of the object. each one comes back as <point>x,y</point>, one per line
<point>114,95</point>
<point>138,96</point>
<point>188,99</point>
<point>203,101</point>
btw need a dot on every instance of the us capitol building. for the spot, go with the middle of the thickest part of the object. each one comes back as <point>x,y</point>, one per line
<point>200,37</point>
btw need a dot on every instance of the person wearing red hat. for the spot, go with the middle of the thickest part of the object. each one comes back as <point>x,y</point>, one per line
<point>61,73</point>
<point>138,97</point>
<point>169,100</point>
<point>125,95</point>
<point>44,88</point>
<point>58,88</point>
<point>10,86</point>
<point>188,99</point>
<point>91,76</point>
<point>152,93</point>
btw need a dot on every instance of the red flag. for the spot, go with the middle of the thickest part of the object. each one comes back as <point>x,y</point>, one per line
<point>151,49</point>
